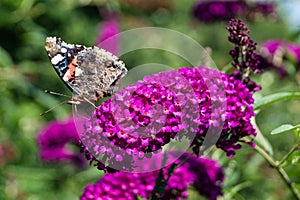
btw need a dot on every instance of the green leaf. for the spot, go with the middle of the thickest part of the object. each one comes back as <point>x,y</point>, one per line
<point>139,197</point>
<point>161,183</point>
<point>294,159</point>
<point>284,128</point>
<point>297,186</point>
<point>230,193</point>
<point>5,59</point>
<point>227,68</point>
<point>273,98</point>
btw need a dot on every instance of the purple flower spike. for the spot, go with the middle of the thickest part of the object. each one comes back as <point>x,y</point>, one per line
<point>244,55</point>
<point>140,120</point>
<point>205,174</point>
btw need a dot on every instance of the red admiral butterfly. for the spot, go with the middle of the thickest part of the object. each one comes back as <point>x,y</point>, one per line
<point>90,73</point>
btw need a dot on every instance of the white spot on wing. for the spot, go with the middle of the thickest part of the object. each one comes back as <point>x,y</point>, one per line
<point>56,59</point>
<point>63,50</point>
<point>71,46</point>
<point>78,71</point>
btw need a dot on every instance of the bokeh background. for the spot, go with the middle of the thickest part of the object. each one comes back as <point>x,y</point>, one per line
<point>26,72</point>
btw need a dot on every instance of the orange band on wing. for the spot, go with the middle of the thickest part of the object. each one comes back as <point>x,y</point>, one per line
<point>72,68</point>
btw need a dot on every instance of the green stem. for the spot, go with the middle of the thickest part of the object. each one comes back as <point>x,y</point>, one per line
<point>280,170</point>
<point>290,184</point>
<point>267,157</point>
<point>288,155</point>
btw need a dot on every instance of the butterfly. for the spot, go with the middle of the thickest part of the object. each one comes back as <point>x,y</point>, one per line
<point>91,73</point>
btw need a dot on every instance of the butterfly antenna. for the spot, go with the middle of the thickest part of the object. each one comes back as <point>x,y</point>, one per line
<point>57,94</point>
<point>89,102</point>
<point>61,103</point>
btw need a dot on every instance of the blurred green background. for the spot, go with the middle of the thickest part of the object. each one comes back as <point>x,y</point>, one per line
<point>26,72</point>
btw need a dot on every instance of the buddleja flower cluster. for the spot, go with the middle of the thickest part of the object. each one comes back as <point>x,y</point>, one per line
<point>245,59</point>
<point>238,111</point>
<point>142,118</point>
<point>205,175</point>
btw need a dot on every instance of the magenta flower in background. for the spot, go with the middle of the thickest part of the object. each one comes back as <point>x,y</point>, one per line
<point>53,140</point>
<point>294,50</point>
<point>278,51</point>
<point>108,29</point>
<point>205,174</point>
<point>276,47</point>
<point>272,45</point>
<point>274,50</point>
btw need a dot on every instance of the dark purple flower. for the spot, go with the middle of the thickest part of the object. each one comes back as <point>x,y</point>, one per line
<point>144,117</point>
<point>208,176</point>
<point>244,55</point>
<point>264,8</point>
<point>205,174</point>
<point>54,139</point>
<point>211,11</point>
<point>221,10</point>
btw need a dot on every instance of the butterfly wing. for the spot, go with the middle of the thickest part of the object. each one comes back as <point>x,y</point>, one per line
<point>63,57</point>
<point>99,72</point>
<point>89,72</point>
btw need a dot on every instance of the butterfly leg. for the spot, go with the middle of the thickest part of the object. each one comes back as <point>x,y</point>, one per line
<point>76,101</point>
